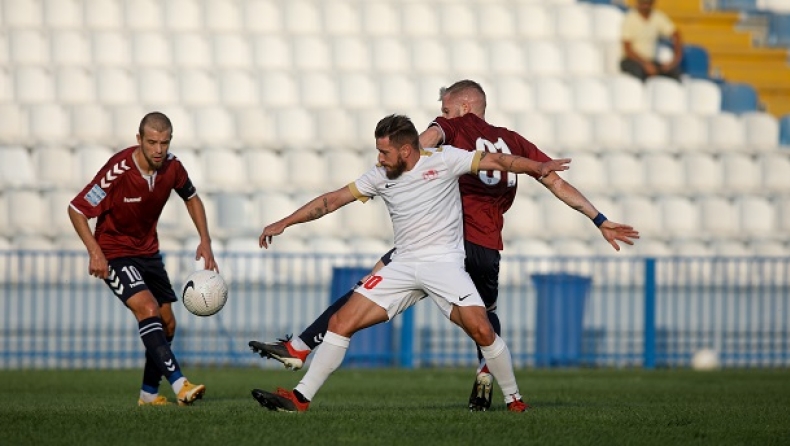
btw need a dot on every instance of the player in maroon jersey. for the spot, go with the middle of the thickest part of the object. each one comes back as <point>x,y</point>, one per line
<point>486,197</point>
<point>126,197</point>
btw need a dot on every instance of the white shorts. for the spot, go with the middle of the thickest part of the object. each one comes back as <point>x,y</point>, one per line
<point>400,285</point>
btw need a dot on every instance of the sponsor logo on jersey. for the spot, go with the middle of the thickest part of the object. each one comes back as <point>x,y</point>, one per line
<point>95,195</point>
<point>132,200</point>
<point>430,175</point>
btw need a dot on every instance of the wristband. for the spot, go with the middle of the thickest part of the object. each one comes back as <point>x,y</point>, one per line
<point>599,219</point>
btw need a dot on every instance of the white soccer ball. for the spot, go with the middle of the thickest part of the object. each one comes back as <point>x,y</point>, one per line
<point>705,360</point>
<point>204,293</point>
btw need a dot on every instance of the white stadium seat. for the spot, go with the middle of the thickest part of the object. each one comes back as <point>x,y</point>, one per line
<point>302,17</point>
<point>680,216</point>
<point>359,91</point>
<point>152,10</point>
<point>157,87</point>
<point>192,49</point>
<point>193,163</point>
<point>758,217</point>
<point>278,89</point>
<point>458,20</point>
<point>105,15</point>
<point>606,23</point>
<point>256,127</point>
<point>496,20</point>
<point>612,131</point>
<point>34,85</point>
<point>337,130</point>
<point>55,168</point>
<point>652,248</point>
<point>57,203</point>
<point>583,58</point>
<point>588,173</point>
<point>224,169</point>
<point>50,123</point>
<point>726,132</point>
<point>514,94</point>
<point>650,132</point>
<point>467,56</point>
<point>704,96</point>
<point>266,170</point>
<point>318,90</point>
<point>111,48</point>
<point>381,18</point>
<point>546,58</point>
<point>420,19</point>
<point>718,217</point>
<point>71,47</point>
<point>429,55</point>
<point>524,219</point>
<point>296,129</point>
<point>351,54</point>
<point>534,21</point>
<point>742,173</point>
<point>75,85</point>
<point>215,127</point>
<point>312,53</point>
<point>560,221</point>
<point>17,168</point>
<point>625,172</point>
<point>35,220</point>
<point>236,214</point>
<point>344,167</point>
<point>688,132</point>
<point>369,219</point>
<point>93,123</point>
<point>341,18</point>
<point>553,95</point>
<point>306,170</point>
<point>116,86</point>
<point>574,21</point>
<point>263,16</point>
<point>666,95</point>
<point>703,172</point>
<point>28,46</point>
<point>775,171</point>
<point>391,55</point>
<point>222,16</point>
<point>590,95</point>
<point>23,14</point>
<point>664,173</point>
<point>762,131</point>
<point>151,49</point>
<point>14,124</point>
<point>535,126</point>
<point>628,93</point>
<point>643,214</point>
<point>183,15</point>
<point>232,51</point>
<point>508,57</point>
<point>272,52</point>
<point>198,87</point>
<point>574,132</point>
<point>398,92</point>
<point>239,88</point>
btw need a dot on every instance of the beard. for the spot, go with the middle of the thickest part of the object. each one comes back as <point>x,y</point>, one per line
<point>397,170</point>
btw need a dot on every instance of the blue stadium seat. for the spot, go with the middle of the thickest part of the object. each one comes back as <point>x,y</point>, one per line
<point>738,97</point>
<point>784,131</point>
<point>738,5</point>
<point>696,61</point>
<point>779,30</point>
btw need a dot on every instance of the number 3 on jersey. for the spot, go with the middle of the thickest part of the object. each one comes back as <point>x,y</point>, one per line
<point>493,177</point>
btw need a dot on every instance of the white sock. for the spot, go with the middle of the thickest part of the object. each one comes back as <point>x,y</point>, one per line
<point>501,366</point>
<point>147,397</point>
<point>326,360</point>
<point>178,384</point>
<point>298,344</point>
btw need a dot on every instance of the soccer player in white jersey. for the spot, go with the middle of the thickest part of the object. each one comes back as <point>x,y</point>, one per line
<point>420,189</point>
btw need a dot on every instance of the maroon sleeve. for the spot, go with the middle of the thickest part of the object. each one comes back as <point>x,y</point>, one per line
<point>94,198</point>
<point>447,128</point>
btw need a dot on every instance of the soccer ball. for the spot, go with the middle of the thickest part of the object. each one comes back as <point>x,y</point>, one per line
<point>204,293</point>
<point>705,360</point>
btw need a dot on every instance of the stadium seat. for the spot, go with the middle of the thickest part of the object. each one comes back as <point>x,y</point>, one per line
<point>381,19</point>
<point>257,161</point>
<point>775,171</point>
<point>222,16</point>
<point>174,222</point>
<point>232,51</point>
<point>703,172</point>
<point>508,57</point>
<point>726,132</point>
<point>272,52</point>
<point>391,55</point>
<point>731,248</point>
<point>329,246</point>
<point>718,217</point>
<point>650,132</point>
<point>560,221</point>
<point>783,210</point>
<point>645,215</point>
<point>663,173</point>
<point>191,49</point>
<point>546,58</point>
<point>336,130</point>
<point>553,95</point>
<point>111,48</point>
<point>351,54</point>
<point>236,214</point>
<point>420,19</point>
<point>57,203</point>
<point>104,15</point>
<point>762,130</point>
<point>536,127</point>
<point>239,88</point>
<point>758,217</point>
<point>55,168</point>
<point>429,55</point>
<point>279,89</point>
<point>398,92</point>
<point>742,173</point>
<point>467,56</point>
<point>779,24</point>
<point>496,20</point>
<point>312,53</point>
<point>574,21</point>
<point>6,83</point>
<point>534,21</point>
<point>296,129</point>
<point>116,86</point>
<point>318,90</point>
<point>71,47</point>
<point>524,219</point>
<point>652,248</point>
<point>35,220</point>
<point>36,265</point>
<point>92,123</point>
<point>365,122</point>
<point>607,22</point>
<point>573,248</point>
<point>23,14</point>
<point>306,170</point>
<point>369,219</point>
<point>625,172</point>
<point>344,167</point>
<point>183,120</point>
<point>359,91</point>
<point>151,49</point>
<point>183,15</point>
<point>157,87</point>
<point>263,16</point>
<point>666,95</point>
<point>50,123</point>
<point>231,176</point>
<point>628,94</point>
<point>256,127</point>
<point>34,85</point>
<point>458,20</point>
<point>784,131</point>
<point>75,85</point>
<point>704,96</point>
<point>514,94</point>
<point>331,225</point>
<point>16,167</point>
<point>577,140</point>
<point>302,17</point>
<point>341,18</point>
<point>680,216</point>
<point>14,124</point>
<point>695,62</point>
<point>152,10</point>
<point>738,98</point>
<point>28,46</point>
<point>198,87</point>
<point>367,246</point>
<point>590,95</point>
<point>769,248</point>
<point>588,174</point>
<point>612,131</point>
<point>688,132</point>
<point>582,58</point>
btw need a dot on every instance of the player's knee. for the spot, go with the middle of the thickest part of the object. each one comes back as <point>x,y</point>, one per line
<point>340,326</point>
<point>482,334</point>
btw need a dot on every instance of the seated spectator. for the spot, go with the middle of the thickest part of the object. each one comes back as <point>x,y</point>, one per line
<point>642,30</point>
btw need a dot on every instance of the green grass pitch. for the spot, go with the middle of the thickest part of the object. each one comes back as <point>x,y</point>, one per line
<point>400,407</point>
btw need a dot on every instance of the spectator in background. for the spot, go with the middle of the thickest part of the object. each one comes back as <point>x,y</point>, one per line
<point>643,28</point>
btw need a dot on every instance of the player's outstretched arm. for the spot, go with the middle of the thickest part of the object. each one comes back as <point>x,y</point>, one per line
<point>519,164</point>
<point>315,209</point>
<point>568,194</point>
<point>197,211</point>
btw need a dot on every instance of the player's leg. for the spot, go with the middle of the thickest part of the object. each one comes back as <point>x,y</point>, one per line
<point>293,352</point>
<point>482,264</point>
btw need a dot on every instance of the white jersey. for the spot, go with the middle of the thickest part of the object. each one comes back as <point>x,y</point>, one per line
<point>424,203</point>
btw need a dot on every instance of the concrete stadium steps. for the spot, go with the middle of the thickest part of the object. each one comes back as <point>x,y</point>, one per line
<point>732,53</point>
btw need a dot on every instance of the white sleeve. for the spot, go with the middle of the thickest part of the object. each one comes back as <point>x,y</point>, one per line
<point>458,161</point>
